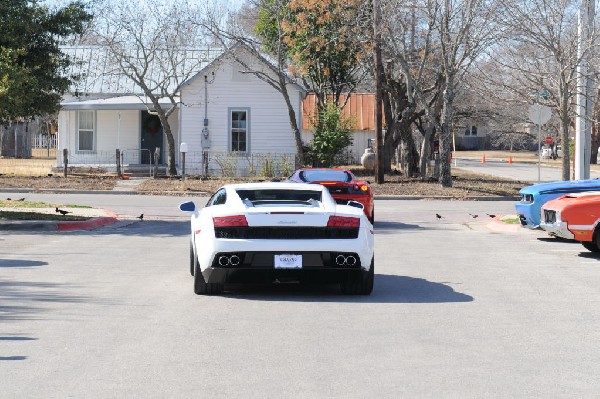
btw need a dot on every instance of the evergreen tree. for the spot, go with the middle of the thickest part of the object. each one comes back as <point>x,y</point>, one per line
<point>33,71</point>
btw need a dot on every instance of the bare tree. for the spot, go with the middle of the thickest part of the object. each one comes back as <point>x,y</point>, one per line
<point>539,61</point>
<point>433,44</point>
<point>412,67</point>
<point>466,29</point>
<point>152,43</point>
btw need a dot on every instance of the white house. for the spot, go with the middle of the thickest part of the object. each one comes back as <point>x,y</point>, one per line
<point>230,120</point>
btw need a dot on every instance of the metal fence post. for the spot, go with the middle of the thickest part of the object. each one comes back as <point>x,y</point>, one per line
<point>65,161</point>
<point>156,158</point>
<point>118,155</point>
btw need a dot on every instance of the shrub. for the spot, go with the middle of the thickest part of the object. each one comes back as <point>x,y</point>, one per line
<point>333,133</point>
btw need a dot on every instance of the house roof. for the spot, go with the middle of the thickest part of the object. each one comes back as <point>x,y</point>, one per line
<point>224,54</point>
<point>111,103</point>
<point>103,86</point>
<point>100,74</point>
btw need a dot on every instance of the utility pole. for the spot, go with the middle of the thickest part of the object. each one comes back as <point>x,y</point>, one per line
<point>583,131</point>
<point>379,170</point>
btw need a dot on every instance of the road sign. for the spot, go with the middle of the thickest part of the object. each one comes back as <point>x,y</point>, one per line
<point>539,114</point>
<point>543,94</point>
<point>548,140</point>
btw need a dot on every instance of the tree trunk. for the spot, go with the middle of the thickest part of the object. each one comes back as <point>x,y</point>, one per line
<point>293,123</point>
<point>426,150</point>
<point>595,132</point>
<point>565,121</point>
<point>595,143</point>
<point>445,178</point>
<point>388,154</point>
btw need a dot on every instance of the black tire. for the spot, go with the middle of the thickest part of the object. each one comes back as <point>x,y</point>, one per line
<point>363,285</point>
<point>594,245</point>
<point>590,246</point>
<point>201,287</point>
<point>192,257</point>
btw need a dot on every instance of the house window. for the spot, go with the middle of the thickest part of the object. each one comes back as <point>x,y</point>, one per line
<point>239,129</point>
<point>471,131</point>
<point>86,128</point>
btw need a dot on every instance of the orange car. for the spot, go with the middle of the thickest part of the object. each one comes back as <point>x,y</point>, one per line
<point>342,185</point>
<point>575,217</point>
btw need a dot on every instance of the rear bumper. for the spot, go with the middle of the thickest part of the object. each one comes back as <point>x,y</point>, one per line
<point>261,275</point>
<point>259,267</point>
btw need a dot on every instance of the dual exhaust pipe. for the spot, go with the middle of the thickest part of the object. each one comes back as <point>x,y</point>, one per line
<point>345,260</point>
<point>234,260</point>
<point>229,260</point>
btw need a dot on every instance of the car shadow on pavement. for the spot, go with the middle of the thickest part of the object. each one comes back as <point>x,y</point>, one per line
<point>22,300</point>
<point>21,263</point>
<point>558,239</point>
<point>589,255</point>
<point>387,289</point>
<point>393,227</point>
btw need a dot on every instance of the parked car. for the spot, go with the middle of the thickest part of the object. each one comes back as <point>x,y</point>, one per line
<point>547,152</point>
<point>279,232</point>
<point>561,214</point>
<point>533,197</point>
<point>575,216</point>
<point>342,184</point>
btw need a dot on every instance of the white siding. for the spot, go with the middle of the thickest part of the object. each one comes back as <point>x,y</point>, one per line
<point>269,126</point>
<point>110,135</point>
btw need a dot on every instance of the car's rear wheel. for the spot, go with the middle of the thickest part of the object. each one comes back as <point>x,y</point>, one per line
<point>192,257</point>
<point>201,287</point>
<point>363,285</point>
<point>594,245</point>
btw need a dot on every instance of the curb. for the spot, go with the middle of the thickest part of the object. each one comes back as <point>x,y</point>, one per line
<point>60,226</point>
<point>497,225</point>
<point>88,224</point>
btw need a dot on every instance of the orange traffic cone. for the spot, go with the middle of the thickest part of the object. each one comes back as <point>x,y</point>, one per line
<point>483,159</point>
<point>510,160</point>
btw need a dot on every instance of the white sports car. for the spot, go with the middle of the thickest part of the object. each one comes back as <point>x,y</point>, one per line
<point>279,232</point>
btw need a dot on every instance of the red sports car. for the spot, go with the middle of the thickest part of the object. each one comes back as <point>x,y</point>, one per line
<point>342,185</point>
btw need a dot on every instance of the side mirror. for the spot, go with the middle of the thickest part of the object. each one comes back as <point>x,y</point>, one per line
<point>187,206</point>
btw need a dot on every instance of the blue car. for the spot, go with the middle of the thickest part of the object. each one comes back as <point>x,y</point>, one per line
<point>533,197</point>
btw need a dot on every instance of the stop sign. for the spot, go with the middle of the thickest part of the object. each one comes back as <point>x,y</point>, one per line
<point>548,140</point>
<point>539,114</point>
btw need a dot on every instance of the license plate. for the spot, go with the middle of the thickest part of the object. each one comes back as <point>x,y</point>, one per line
<point>288,261</point>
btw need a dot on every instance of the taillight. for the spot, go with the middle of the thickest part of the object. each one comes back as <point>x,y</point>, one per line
<point>360,188</point>
<point>343,221</point>
<point>230,221</point>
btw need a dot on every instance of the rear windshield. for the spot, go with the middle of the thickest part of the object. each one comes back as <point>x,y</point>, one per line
<point>325,175</point>
<point>270,196</point>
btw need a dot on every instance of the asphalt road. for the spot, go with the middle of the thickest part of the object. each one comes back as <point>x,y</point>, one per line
<point>517,171</point>
<point>458,311</point>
